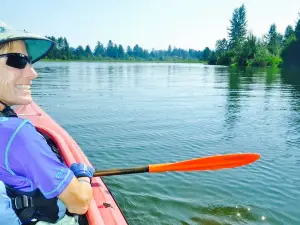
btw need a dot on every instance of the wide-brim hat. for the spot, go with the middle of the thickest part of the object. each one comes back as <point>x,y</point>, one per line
<point>37,46</point>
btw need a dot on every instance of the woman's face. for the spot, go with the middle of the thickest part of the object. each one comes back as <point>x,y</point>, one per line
<point>15,83</point>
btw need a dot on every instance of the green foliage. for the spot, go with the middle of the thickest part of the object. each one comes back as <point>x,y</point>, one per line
<point>62,51</point>
<point>297,29</point>
<point>242,54</point>
<point>261,56</point>
<point>240,49</point>
<point>250,46</point>
<point>289,31</point>
<point>137,51</point>
<point>212,59</point>
<point>206,53</point>
<point>99,50</point>
<point>290,39</point>
<point>274,40</point>
<point>110,49</point>
<point>275,61</point>
<point>291,54</point>
<point>121,53</point>
<point>247,50</point>
<point>221,47</point>
<point>79,52</point>
<point>129,51</point>
<point>169,50</point>
<point>237,31</point>
<point>88,52</point>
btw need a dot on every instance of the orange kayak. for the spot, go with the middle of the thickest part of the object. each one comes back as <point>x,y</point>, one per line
<point>103,209</point>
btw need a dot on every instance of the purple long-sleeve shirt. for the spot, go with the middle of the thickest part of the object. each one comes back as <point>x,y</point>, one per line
<point>27,162</point>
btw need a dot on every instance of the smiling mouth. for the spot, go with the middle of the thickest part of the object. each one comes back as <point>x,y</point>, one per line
<point>23,87</point>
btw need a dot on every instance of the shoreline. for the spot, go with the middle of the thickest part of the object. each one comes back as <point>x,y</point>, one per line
<point>126,61</point>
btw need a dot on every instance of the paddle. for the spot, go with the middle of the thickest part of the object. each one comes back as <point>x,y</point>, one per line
<point>199,164</point>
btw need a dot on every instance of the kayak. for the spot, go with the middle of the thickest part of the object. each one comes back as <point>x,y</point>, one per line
<point>103,209</point>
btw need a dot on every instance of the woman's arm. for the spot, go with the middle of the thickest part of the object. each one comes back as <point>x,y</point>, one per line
<point>30,158</point>
<point>77,195</point>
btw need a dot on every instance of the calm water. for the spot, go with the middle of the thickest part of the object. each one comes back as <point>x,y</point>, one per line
<point>125,115</point>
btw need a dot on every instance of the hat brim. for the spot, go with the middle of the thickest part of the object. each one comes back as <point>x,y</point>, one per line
<point>37,46</point>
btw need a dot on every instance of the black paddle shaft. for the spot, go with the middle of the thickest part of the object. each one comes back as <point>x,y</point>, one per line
<point>102,173</point>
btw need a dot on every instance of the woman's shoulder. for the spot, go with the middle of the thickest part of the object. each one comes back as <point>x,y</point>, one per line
<point>11,123</point>
<point>10,126</point>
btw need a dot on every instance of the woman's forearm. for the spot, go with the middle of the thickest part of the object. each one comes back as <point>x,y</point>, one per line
<point>77,196</point>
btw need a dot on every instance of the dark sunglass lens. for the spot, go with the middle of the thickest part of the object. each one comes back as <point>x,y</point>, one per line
<point>16,61</point>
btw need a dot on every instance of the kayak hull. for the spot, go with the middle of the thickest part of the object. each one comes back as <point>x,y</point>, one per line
<point>103,209</point>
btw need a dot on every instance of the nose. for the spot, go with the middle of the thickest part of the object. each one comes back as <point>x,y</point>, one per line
<point>29,72</point>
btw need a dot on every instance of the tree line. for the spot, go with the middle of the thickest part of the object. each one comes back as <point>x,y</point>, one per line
<point>113,51</point>
<point>242,48</point>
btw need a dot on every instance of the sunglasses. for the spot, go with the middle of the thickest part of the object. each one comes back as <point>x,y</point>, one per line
<point>17,60</point>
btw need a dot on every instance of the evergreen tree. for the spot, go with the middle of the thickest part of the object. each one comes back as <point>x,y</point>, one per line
<point>129,51</point>
<point>88,52</point>
<point>221,47</point>
<point>66,49</point>
<point>137,51</point>
<point>79,52</point>
<point>206,53</point>
<point>297,29</point>
<point>238,27</point>
<point>110,49</point>
<point>169,50</point>
<point>115,52</point>
<point>274,40</point>
<point>99,50</point>
<point>121,52</point>
<point>289,31</point>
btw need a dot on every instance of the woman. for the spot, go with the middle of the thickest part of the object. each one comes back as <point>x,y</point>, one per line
<point>35,187</point>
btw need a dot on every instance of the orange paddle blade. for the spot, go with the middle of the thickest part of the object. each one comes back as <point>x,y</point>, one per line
<point>207,163</point>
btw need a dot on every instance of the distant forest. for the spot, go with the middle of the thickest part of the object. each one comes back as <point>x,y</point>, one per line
<point>113,51</point>
<point>241,48</point>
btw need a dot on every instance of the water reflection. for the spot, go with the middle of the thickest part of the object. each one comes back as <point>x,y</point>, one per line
<point>233,105</point>
<point>137,73</point>
<point>88,74</point>
<point>271,78</point>
<point>244,84</point>
<point>111,76</point>
<point>291,79</point>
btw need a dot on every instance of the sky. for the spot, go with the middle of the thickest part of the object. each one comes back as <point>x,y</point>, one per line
<point>149,23</point>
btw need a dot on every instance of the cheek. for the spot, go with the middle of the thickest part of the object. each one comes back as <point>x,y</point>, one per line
<point>8,79</point>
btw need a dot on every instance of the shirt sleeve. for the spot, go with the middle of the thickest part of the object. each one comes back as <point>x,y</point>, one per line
<point>31,157</point>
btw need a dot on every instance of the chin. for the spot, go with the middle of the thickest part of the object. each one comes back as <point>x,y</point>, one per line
<point>24,101</point>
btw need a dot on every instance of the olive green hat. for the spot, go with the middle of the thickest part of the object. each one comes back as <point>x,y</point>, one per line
<point>37,46</point>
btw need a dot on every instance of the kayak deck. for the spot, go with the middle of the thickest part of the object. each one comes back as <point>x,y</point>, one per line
<point>103,209</point>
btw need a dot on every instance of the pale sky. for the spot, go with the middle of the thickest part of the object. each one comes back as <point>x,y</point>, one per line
<point>150,24</point>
